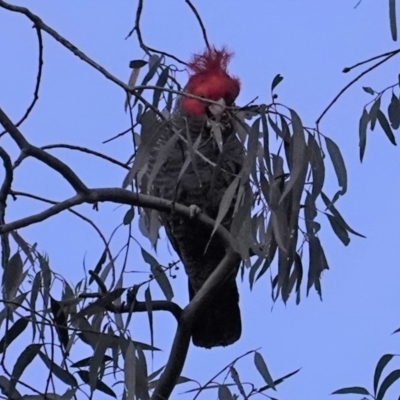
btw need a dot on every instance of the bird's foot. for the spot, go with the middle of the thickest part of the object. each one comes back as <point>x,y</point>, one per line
<point>194,210</point>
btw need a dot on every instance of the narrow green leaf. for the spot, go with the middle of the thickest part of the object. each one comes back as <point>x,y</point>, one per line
<point>263,369</point>
<point>386,127</point>
<point>298,144</point>
<point>384,360</point>
<point>7,311</point>
<point>142,391</point>
<point>329,205</point>
<point>279,380</point>
<point>191,158</point>
<point>154,374</point>
<point>276,81</point>
<point>224,393</point>
<point>129,215</point>
<point>145,346</point>
<point>272,247</point>
<point>58,371</point>
<point>5,389</point>
<point>387,382</point>
<point>37,280</point>
<point>24,359</point>
<point>226,202</point>
<point>373,112</point>
<point>154,64</point>
<point>96,362</point>
<point>317,263</point>
<point>276,128</point>
<point>46,279</point>
<point>84,375</point>
<point>394,112</point>
<point>299,274</point>
<point>368,90</point>
<point>162,80</point>
<point>317,166</point>
<point>183,379</point>
<point>310,212</point>
<point>392,18</point>
<point>236,379</point>
<point>149,308</point>
<point>352,390</point>
<point>85,362</point>
<point>16,329</point>
<point>338,163</point>
<point>162,157</point>
<point>130,370</point>
<point>364,119</point>
<point>12,276</point>
<point>137,64</point>
<point>158,274</point>
<point>99,264</point>
<point>265,130</point>
<point>339,230</point>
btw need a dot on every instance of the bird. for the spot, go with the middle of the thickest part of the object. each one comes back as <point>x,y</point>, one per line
<point>192,161</point>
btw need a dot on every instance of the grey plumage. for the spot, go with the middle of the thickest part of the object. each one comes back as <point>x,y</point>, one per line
<point>202,183</point>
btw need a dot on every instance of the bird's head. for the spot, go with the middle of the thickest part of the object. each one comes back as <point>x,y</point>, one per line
<point>210,79</point>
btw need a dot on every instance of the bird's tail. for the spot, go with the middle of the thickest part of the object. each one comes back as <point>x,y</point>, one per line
<point>219,323</point>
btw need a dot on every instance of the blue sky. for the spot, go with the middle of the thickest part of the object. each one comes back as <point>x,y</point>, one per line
<point>336,342</point>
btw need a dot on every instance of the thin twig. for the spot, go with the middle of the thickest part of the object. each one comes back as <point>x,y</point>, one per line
<point>67,44</point>
<point>4,192</point>
<point>139,36</point>
<point>79,215</point>
<point>348,69</point>
<point>351,84</point>
<point>85,150</point>
<point>156,305</point>
<point>199,20</point>
<point>118,196</point>
<point>38,81</point>
<point>231,364</point>
<point>41,155</point>
<point>181,343</point>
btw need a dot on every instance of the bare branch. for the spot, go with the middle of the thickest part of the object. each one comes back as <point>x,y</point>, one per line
<point>38,81</point>
<point>85,150</point>
<point>156,305</point>
<point>181,342</point>
<point>67,44</point>
<point>231,364</point>
<point>6,186</point>
<point>119,196</point>
<point>142,45</point>
<point>79,215</point>
<point>199,20</point>
<point>352,83</point>
<point>4,192</point>
<point>41,155</point>
<point>348,69</point>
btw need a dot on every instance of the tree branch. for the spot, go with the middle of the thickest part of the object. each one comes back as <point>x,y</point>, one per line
<point>119,196</point>
<point>142,45</point>
<point>4,192</point>
<point>181,342</point>
<point>80,54</point>
<point>156,305</point>
<point>358,77</point>
<point>85,150</point>
<point>41,155</point>
<point>200,21</point>
<point>38,81</point>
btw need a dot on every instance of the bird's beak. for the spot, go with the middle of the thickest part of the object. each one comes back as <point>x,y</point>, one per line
<point>217,109</point>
